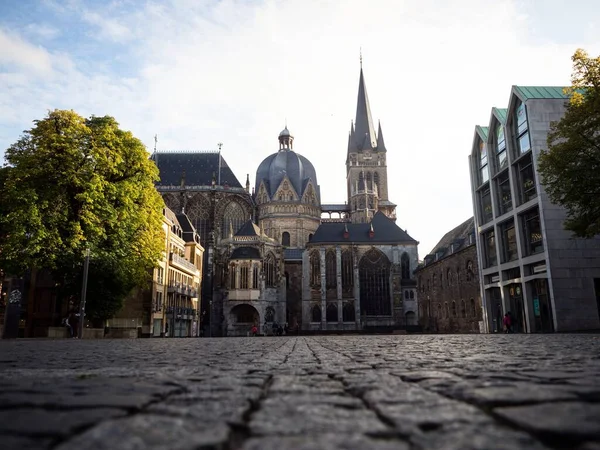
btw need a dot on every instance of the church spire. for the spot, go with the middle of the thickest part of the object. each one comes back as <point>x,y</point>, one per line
<point>364,130</point>
<point>380,143</point>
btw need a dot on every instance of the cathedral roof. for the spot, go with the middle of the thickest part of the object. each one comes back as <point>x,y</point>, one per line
<point>288,163</point>
<point>385,232</point>
<point>196,169</point>
<point>249,229</point>
<point>245,253</point>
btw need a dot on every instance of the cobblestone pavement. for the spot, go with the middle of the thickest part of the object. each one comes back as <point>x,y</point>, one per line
<point>334,392</point>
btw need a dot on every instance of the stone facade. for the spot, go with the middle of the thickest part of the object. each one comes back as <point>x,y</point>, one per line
<point>448,284</point>
<point>530,266</point>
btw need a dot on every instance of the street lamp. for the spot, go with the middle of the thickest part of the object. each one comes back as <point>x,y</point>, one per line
<point>86,266</point>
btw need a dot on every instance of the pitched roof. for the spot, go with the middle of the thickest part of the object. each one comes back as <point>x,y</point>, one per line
<point>386,231</point>
<point>197,167</point>
<point>482,131</point>
<point>364,131</point>
<point>249,229</point>
<point>500,113</point>
<point>528,92</point>
<point>458,235</point>
<point>189,232</point>
<point>293,254</point>
<point>245,253</point>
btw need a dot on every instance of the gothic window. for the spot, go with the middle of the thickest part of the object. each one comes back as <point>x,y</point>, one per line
<point>348,313</point>
<point>405,266</point>
<point>361,182</point>
<point>270,271</point>
<point>447,310</point>
<point>255,278</point>
<point>376,181</point>
<point>315,314</point>
<point>463,309</point>
<point>412,295</point>
<point>453,309</point>
<point>244,271</point>
<point>233,218</point>
<point>198,211</point>
<point>332,313</point>
<point>347,270</point>
<point>285,239</point>
<point>310,237</point>
<point>374,279</point>
<point>232,277</point>
<point>470,273</point>
<point>315,269</point>
<point>269,314</point>
<point>449,277</point>
<point>439,310</point>
<point>330,276</point>
<point>369,181</point>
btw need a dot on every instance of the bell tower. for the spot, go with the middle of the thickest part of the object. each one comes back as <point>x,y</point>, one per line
<point>366,168</point>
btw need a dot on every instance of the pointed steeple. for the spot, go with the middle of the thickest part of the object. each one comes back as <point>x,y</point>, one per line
<point>380,143</point>
<point>364,130</point>
<point>351,139</point>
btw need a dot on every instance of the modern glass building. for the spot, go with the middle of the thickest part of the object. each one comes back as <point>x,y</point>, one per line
<point>529,265</point>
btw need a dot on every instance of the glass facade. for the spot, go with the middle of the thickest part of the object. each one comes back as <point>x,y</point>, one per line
<point>486,205</point>
<point>522,141</point>
<point>532,232</point>
<point>509,241</point>
<point>501,161</point>
<point>526,182</point>
<point>484,174</point>
<point>504,193</point>
<point>489,242</point>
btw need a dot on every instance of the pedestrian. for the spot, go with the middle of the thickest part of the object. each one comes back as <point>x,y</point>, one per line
<point>68,325</point>
<point>507,322</point>
<point>254,330</point>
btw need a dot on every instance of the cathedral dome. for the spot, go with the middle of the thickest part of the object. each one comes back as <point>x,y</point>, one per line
<point>286,162</point>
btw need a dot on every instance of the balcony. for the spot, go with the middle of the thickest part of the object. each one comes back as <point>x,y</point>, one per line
<point>182,263</point>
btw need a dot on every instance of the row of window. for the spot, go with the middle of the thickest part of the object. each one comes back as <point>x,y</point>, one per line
<point>453,277</point>
<point>532,241</point>
<point>331,313</point>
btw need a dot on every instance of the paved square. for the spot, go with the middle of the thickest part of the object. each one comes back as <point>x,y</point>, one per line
<point>334,392</point>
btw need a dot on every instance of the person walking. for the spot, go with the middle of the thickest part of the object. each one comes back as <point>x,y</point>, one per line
<point>507,322</point>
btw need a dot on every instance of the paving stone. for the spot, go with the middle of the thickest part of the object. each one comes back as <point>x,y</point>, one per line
<point>515,394</point>
<point>332,441</point>
<point>8,442</point>
<point>561,418</point>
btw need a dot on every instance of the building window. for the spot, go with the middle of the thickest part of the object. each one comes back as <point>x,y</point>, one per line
<point>485,203</point>
<point>232,277</point>
<point>484,174</point>
<point>504,194</point>
<point>509,241</point>
<point>285,239</point>
<point>412,295</point>
<point>473,309</point>
<point>405,266</point>
<point>348,314</point>
<point>269,314</point>
<point>449,277</point>
<point>406,295</point>
<point>315,314</point>
<point>310,237</point>
<point>331,313</point>
<point>489,245</point>
<point>376,182</point>
<point>234,217</point>
<point>533,232</point>
<point>470,271</point>
<point>521,132</point>
<point>270,271</point>
<point>255,278</point>
<point>315,269</point>
<point>453,309</point>
<point>374,281</point>
<point>463,309</point>
<point>501,160</point>
<point>526,179</point>
<point>330,276</point>
<point>244,277</point>
<point>347,271</point>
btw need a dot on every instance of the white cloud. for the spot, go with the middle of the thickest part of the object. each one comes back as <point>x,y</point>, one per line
<point>233,71</point>
<point>14,51</point>
<point>42,30</point>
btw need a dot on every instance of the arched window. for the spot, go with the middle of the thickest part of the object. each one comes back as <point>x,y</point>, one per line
<point>255,278</point>
<point>369,181</point>
<point>453,309</point>
<point>233,219</point>
<point>449,277</point>
<point>330,276</point>
<point>447,312</point>
<point>232,277</point>
<point>285,239</point>
<point>376,182</point>
<point>332,312</point>
<point>348,313</point>
<point>463,309</point>
<point>405,266</point>
<point>244,277</point>
<point>347,271</point>
<point>374,273</point>
<point>269,314</point>
<point>315,269</point>
<point>412,295</point>
<point>315,314</point>
<point>270,270</point>
<point>473,309</point>
<point>411,318</point>
<point>470,272</point>
<point>406,295</point>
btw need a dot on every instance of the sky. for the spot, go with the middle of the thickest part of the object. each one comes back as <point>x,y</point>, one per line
<point>199,72</point>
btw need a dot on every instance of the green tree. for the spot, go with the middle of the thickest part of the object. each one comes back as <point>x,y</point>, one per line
<point>570,169</point>
<point>70,184</point>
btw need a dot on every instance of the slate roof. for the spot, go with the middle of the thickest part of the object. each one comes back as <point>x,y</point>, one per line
<point>500,113</point>
<point>198,166</point>
<point>296,167</point>
<point>189,232</point>
<point>249,229</point>
<point>528,92</point>
<point>292,254</point>
<point>245,253</point>
<point>386,231</point>
<point>458,236</point>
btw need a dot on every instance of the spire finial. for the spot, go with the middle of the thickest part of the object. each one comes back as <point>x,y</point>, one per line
<point>360,57</point>
<point>155,141</point>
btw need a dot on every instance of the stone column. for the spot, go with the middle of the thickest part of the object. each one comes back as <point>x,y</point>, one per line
<point>323,288</point>
<point>338,273</point>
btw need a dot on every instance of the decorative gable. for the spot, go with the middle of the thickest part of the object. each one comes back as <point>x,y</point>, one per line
<point>285,192</point>
<point>262,196</point>
<point>310,193</point>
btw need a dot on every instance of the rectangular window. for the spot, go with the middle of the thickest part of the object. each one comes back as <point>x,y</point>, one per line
<point>501,160</point>
<point>232,277</point>
<point>533,232</point>
<point>509,241</point>
<point>486,205</point>
<point>522,141</point>
<point>489,242</point>
<point>524,144</point>
<point>484,174</point>
<point>244,277</point>
<point>255,278</point>
<point>526,180</point>
<point>504,195</point>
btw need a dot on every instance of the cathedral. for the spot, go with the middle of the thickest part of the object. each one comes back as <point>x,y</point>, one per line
<point>275,254</point>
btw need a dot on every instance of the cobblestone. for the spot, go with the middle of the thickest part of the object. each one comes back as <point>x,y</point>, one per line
<point>335,392</point>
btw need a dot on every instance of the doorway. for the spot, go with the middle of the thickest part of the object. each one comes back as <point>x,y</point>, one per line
<point>515,298</point>
<point>542,308</point>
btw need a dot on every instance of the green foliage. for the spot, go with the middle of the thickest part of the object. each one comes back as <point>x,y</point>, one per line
<point>73,183</point>
<point>570,169</point>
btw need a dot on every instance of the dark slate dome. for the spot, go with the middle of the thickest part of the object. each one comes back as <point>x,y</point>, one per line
<point>286,162</point>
